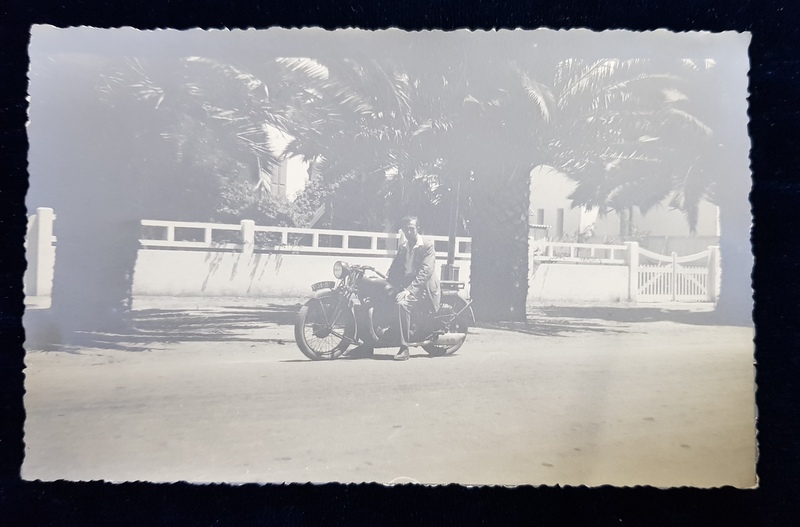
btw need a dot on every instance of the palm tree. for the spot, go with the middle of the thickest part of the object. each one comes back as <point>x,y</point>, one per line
<point>99,168</point>
<point>430,124</point>
<point>355,121</point>
<point>125,139</point>
<point>213,113</point>
<point>622,131</point>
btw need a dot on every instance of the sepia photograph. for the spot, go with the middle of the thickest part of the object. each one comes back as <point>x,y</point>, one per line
<point>484,258</point>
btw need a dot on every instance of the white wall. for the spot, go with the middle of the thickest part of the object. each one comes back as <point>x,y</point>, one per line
<point>201,273</point>
<point>549,190</point>
<point>562,283</point>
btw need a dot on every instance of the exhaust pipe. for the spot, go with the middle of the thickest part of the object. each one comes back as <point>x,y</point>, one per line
<point>448,339</point>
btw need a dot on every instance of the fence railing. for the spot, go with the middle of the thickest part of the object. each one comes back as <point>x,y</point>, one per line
<point>675,259</point>
<point>248,237</point>
<point>553,252</point>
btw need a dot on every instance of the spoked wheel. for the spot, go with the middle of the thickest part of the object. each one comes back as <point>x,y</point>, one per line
<point>456,329</point>
<point>325,328</point>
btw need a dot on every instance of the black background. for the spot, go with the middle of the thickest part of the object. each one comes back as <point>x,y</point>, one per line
<point>774,130</point>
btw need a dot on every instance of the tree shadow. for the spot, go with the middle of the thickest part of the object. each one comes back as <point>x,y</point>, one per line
<point>563,321</point>
<point>545,327</point>
<point>145,329</point>
<point>699,315</point>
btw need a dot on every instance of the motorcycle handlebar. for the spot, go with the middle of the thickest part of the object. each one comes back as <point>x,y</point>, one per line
<point>370,268</point>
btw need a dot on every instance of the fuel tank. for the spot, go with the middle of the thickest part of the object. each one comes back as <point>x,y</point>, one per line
<point>376,289</point>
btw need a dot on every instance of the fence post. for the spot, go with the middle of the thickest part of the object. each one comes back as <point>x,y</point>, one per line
<point>41,253</point>
<point>713,273</point>
<point>32,256</point>
<point>633,270</point>
<point>674,276</point>
<point>248,236</point>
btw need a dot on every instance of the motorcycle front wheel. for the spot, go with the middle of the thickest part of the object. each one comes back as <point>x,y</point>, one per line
<point>324,328</point>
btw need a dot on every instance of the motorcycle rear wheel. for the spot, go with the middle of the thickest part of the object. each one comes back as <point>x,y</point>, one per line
<point>447,307</point>
<point>324,328</point>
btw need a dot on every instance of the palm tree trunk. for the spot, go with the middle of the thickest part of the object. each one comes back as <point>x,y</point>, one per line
<point>623,227</point>
<point>93,276</point>
<point>626,223</point>
<point>735,302</point>
<point>499,230</point>
<point>630,223</point>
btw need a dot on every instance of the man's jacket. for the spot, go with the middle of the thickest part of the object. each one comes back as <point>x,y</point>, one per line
<point>422,281</point>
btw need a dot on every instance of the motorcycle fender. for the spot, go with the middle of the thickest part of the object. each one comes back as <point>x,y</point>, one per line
<point>322,293</point>
<point>467,307</point>
<point>471,315</point>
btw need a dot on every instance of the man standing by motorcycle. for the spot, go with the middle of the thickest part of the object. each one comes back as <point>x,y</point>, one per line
<point>413,272</point>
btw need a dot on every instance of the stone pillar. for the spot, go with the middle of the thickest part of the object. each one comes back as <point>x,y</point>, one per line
<point>40,253</point>
<point>674,276</point>
<point>713,273</point>
<point>633,270</point>
<point>248,236</point>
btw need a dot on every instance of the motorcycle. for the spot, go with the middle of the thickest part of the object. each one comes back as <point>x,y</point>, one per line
<point>359,308</point>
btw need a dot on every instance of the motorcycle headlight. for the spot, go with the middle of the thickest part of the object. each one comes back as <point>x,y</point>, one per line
<point>340,270</point>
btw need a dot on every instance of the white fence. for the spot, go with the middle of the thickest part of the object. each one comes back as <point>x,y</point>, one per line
<point>195,258</point>
<point>557,252</point>
<point>652,277</point>
<point>248,237</point>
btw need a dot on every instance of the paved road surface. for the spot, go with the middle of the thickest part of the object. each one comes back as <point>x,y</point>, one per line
<point>220,395</point>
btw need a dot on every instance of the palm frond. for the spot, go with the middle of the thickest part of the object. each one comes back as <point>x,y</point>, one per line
<point>250,81</point>
<point>589,78</point>
<point>541,94</point>
<point>309,68</point>
<point>691,64</point>
<point>686,117</point>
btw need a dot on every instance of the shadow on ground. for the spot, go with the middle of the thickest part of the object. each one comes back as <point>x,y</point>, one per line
<point>685,314</point>
<point>149,327</point>
<point>565,321</point>
<point>553,328</point>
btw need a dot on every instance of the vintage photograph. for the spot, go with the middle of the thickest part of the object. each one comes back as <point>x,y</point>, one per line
<point>472,257</point>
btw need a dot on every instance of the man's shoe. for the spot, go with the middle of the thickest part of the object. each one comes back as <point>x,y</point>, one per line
<point>402,354</point>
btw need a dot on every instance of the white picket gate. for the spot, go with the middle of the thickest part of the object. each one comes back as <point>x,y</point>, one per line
<point>670,280</point>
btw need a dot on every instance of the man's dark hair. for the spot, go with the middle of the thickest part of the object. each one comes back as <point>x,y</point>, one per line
<point>408,219</point>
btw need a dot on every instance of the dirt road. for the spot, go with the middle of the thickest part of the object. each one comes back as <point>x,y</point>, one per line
<point>221,395</point>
